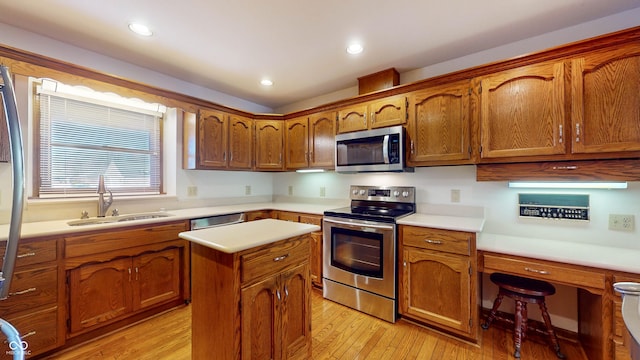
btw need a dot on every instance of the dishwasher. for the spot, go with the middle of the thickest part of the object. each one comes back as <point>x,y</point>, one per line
<point>216,220</point>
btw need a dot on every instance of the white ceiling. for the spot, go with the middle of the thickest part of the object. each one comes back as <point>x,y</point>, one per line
<point>229,45</point>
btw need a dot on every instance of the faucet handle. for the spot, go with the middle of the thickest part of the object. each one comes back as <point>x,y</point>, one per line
<point>115,212</point>
<point>84,214</point>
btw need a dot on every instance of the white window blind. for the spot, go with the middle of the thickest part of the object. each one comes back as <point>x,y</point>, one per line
<point>81,140</point>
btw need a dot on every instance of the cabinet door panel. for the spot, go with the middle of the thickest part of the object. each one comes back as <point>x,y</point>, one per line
<point>157,278</point>
<point>606,101</point>
<point>352,119</point>
<point>437,288</point>
<point>297,143</point>
<point>522,111</point>
<point>439,124</point>
<point>322,137</point>
<point>240,142</point>
<point>212,139</point>
<point>99,293</point>
<point>260,305</point>
<point>296,319</point>
<point>388,112</point>
<point>269,145</point>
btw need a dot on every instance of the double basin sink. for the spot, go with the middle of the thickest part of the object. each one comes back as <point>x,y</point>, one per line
<point>117,219</point>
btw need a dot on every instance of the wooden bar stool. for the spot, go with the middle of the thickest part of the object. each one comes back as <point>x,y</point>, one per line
<point>523,291</point>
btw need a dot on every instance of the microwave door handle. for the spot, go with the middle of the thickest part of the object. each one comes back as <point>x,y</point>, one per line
<point>385,149</point>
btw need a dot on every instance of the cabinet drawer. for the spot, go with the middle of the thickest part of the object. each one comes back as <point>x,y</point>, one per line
<point>287,216</point>
<point>545,271</point>
<point>313,220</point>
<point>275,258</point>
<point>456,242</point>
<point>33,252</point>
<point>31,288</point>
<point>38,329</point>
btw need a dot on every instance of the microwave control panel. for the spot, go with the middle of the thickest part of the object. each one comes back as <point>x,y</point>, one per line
<point>554,206</point>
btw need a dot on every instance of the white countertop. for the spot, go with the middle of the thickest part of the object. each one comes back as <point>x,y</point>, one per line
<point>459,223</point>
<point>598,256</point>
<point>57,227</point>
<point>237,237</point>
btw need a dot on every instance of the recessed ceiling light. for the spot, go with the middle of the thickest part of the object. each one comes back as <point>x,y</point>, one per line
<point>266,82</point>
<point>140,29</point>
<point>354,48</point>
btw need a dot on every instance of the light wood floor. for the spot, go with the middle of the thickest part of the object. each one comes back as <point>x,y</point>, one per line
<point>338,333</point>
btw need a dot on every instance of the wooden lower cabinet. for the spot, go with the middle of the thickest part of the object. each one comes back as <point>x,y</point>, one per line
<point>266,301</point>
<point>274,325</point>
<point>622,341</point>
<point>115,275</point>
<point>438,280</point>
<point>35,306</point>
<point>105,292</point>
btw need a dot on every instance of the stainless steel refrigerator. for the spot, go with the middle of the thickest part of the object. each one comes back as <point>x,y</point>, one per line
<point>15,344</point>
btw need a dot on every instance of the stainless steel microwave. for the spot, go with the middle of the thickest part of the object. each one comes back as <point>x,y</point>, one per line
<point>371,150</point>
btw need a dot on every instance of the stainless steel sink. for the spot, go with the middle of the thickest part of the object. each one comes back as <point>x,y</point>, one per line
<point>116,219</point>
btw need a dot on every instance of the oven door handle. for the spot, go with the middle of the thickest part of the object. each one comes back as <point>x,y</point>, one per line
<point>384,227</point>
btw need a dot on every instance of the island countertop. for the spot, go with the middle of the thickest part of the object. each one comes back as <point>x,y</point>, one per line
<point>237,237</point>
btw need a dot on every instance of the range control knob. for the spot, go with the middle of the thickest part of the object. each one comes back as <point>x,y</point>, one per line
<point>396,193</point>
<point>405,193</point>
<point>362,192</point>
<point>355,192</point>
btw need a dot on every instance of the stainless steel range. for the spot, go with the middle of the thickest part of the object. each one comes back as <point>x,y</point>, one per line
<point>360,242</point>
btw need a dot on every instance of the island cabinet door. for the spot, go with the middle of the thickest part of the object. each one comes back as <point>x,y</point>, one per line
<point>436,289</point>
<point>296,311</point>
<point>260,306</point>
<point>99,293</point>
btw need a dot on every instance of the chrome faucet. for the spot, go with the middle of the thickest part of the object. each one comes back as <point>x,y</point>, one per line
<point>103,204</point>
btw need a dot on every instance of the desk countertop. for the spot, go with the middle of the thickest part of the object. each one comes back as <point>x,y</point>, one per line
<point>598,256</point>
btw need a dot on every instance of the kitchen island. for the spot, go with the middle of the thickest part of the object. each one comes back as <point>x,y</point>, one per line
<point>251,290</point>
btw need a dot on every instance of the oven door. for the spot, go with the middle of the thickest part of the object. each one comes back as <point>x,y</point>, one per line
<point>360,254</point>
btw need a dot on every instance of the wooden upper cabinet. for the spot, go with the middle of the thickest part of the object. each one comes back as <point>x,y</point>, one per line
<point>297,143</point>
<point>522,111</point>
<point>240,142</point>
<point>439,124</point>
<point>384,112</point>
<point>269,145</point>
<point>389,111</point>
<point>310,142</point>
<point>605,95</point>
<point>322,140</point>
<point>353,118</point>
<point>212,139</point>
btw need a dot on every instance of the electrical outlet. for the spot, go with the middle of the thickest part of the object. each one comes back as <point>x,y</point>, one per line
<point>290,190</point>
<point>622,222</point>
<point>192,190</point>
<point>455,195</point>
<point>323,191</point>
<point>247,190</point>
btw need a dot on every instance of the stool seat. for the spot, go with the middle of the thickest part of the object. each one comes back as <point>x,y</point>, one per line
<point>523,290</point>
<point>522,285</point>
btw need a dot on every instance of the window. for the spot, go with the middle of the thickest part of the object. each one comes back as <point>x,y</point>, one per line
<point>81,138</point>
